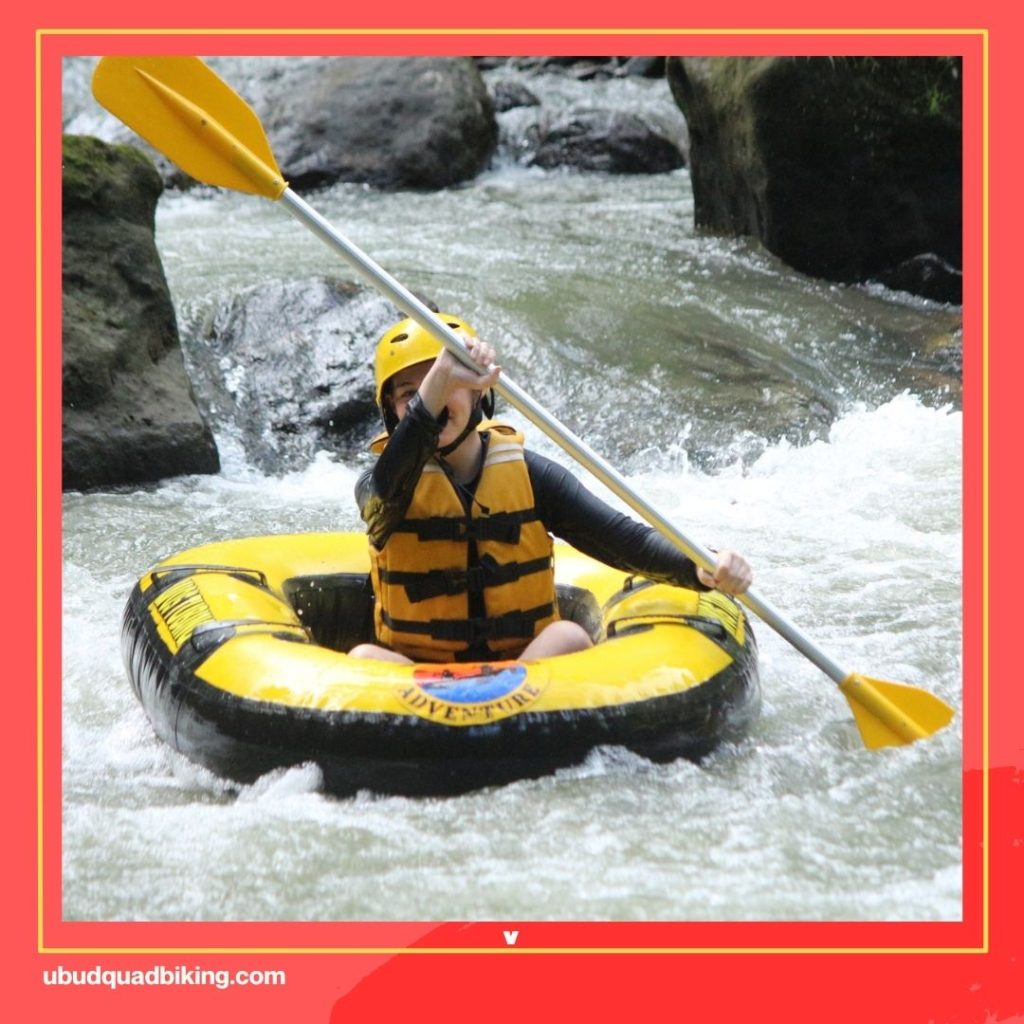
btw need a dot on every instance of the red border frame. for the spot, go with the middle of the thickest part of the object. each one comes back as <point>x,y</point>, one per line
<point>970,980</point>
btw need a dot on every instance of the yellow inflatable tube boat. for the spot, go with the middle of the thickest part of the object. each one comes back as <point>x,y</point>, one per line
<point>236,651</point>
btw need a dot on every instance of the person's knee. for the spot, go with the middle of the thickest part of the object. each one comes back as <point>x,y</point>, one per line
<point>378,653</point>
<point>571,636</point>
<point>563,637</point>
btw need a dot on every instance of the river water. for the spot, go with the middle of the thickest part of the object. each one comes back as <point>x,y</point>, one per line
<point>798,421</point>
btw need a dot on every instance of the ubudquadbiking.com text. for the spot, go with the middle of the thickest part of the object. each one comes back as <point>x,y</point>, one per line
<point>107,977</point>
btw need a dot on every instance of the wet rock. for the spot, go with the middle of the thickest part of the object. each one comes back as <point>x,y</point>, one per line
<point>845,168</point>
<point>643,67</point>
<point>491,63</point>
<point>603,140</point>
<point>510,95</point>
<point>926,275</point>
<point>285,369</point>
<point>395,122</point>
<point>128,413</point>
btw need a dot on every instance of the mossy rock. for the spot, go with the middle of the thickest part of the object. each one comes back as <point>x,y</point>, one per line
<point>129,416</point>
<point>846,168</point>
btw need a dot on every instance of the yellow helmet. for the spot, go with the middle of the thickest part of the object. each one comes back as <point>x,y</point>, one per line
<point>405,345</point>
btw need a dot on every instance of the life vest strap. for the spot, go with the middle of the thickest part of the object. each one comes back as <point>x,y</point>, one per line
<point>512,625</point>
<point>421,586</point>
<point>503,527</point>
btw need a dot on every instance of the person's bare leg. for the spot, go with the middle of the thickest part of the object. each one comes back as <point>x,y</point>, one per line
<point>561,637</point>
<point>378,653</point>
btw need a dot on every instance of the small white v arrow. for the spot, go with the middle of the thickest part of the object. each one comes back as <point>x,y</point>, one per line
<point>510,938</point>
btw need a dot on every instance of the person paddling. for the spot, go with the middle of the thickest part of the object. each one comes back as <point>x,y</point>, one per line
<point>460,518</point>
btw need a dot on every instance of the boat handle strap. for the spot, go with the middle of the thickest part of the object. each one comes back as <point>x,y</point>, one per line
<point>191,569</point>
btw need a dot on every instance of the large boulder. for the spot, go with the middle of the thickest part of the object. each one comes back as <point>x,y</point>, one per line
<point>129,415</point>
<point>392,122</point>
<point>602,140</point>
<point>846,168</point>
<point>284,369</point>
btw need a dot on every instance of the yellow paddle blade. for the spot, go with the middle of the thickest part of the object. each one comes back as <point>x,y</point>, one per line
<point>893,714</point>
<point>182,108</point>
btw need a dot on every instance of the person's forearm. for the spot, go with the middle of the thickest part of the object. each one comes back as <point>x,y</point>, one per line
<point>580,518</point>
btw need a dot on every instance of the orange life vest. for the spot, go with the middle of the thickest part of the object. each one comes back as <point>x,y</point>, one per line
<point>441,561</point>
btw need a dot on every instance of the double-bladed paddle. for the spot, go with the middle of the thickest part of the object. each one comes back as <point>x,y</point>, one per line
<point>192,116</point>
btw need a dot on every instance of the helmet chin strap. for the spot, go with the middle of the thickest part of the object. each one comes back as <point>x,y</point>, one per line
<point>475,419</point>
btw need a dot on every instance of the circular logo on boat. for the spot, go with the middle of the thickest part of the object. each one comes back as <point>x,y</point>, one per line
<point>469,694</point>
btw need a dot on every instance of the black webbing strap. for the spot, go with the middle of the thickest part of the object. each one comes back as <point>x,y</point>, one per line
<point>503,527</point>
<point>421,586</point>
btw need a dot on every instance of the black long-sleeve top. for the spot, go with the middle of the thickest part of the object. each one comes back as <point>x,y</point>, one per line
<point>566,508</point>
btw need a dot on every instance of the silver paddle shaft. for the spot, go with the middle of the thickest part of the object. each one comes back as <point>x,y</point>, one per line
<point>561,435</point>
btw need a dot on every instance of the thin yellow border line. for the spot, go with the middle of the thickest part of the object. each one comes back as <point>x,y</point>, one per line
<point>506,950</point>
